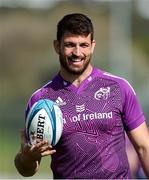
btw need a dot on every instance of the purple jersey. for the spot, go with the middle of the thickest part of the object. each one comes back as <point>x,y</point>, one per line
<point>96,114</point>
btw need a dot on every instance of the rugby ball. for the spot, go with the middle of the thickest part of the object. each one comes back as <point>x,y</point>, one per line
<point>45,122</point>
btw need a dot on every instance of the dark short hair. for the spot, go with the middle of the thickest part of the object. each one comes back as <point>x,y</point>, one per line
<point>75,23</point>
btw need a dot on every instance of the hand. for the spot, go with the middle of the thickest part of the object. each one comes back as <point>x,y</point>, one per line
<point>36,151</point>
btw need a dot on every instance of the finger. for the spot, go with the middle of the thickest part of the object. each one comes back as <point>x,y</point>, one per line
<point>50,146</point>
<point>45,148</point>
<point>41,147</point>
<point>48,152</point>
<point>40,144</point>
<point>34,139</point>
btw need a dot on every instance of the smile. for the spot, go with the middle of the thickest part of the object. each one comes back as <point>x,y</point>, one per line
<point>75,59</point>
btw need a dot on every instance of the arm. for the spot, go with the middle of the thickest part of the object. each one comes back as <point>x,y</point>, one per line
<point>27,160</point>
<point>140,139</point>
<point>133,159</point>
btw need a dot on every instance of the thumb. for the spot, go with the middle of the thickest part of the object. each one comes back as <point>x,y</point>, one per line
<point>23,136</point>
<point>25,146</point>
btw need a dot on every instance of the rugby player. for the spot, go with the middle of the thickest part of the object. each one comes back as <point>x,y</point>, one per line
<point>98,109</point>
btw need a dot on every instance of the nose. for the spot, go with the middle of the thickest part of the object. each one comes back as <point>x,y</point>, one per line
<point>77,51</point>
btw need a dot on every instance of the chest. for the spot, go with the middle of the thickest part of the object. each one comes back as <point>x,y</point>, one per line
<point>95,109</point>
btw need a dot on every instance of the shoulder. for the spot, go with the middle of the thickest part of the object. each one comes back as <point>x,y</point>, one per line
<point>131,110</point>
<point>38,94</point>
<point>123,84</point>
<point>117,85</point>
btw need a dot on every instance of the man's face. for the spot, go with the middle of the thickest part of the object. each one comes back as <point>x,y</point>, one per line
<point>75,52</point>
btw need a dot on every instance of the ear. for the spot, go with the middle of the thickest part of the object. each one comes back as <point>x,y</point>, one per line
<point>56,45</point>
<point>93,46</point>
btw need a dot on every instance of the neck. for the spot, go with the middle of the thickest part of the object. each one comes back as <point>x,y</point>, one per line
<point>76,79</point>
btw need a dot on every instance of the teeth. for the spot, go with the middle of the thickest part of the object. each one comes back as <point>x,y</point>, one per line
<point>75,60</point>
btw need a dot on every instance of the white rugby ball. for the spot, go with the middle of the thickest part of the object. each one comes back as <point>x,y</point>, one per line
<point>45,121</point>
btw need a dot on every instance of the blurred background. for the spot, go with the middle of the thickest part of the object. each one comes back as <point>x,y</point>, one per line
<point>28,60</point>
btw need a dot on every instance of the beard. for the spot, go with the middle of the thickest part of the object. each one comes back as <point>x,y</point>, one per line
<point>72,70</point>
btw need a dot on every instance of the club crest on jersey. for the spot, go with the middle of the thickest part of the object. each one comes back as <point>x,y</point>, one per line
<point>102,94</point>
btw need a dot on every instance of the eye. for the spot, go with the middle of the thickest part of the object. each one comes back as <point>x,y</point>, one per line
<point>69,44</point>
<point>84,45</point>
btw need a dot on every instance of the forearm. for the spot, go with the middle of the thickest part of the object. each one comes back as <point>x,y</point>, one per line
<point>144,158</point>
<point>25,167</point>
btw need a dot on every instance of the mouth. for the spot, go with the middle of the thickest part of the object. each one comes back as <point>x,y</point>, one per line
<point>75,59</point>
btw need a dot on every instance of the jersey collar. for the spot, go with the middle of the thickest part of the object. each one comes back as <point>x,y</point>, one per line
<point>62,83</point>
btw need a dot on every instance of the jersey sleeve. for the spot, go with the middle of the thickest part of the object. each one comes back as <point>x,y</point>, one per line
<point>132,113</point>
<point>40,93</point>
<point>34,98</point>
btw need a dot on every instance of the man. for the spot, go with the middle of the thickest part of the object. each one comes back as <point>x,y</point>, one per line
<point>97,107</point>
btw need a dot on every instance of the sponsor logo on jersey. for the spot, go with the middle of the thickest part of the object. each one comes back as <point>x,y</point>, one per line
<point>80,108</point>
<point>102,94</point>
<point>92,116</point>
